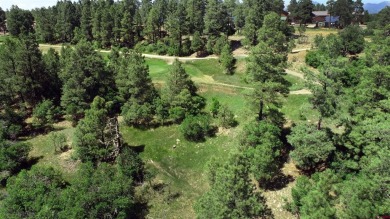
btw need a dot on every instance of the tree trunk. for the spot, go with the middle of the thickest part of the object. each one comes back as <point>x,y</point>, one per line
<point>319,123</point>
<point>261,110</point>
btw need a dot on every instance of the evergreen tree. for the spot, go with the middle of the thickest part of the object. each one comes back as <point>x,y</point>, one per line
<point>104,192</point>
<point>84,76</point>
<point>352,39</point>
<point>12,156</point>
<point>231,194</point>
<point>23,71</point>
<point>266,68</point>
<point>255,13</point>
<point>86,19</point>
<point>239,17</point>
<point>358,11</point>
<point>197,43</point>
<point>136,90</point>
<point>128,21</point>
<point>45,21</point>
<point>343,9</point>
<point>19,21</point>
<point>67,21</point>
<point>262,146</point>
<point>33,194</point>
<point>180,94</point>
<point>3,18</point>
<point>195,13</point>
<point>152,25</point>
<point>305,8</point>
<point>215,18</point>
<point>179,80</point>
<point>107,25</point>
<point>52,85</point>
<point>312,147</point>
<point>91,142</point>
<point>293,9</point>
<point>177,27</point>
<point>227,60</point>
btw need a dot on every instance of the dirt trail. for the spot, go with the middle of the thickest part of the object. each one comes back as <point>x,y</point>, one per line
<point>208,79</point>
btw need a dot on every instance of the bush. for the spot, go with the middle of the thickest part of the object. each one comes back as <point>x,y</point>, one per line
<point>12,155</point>
<point>219,44</point>
<point>314,59</point>
<point>44,114</point>
<point>11,124</point>
<point>196,128</point>
<point>137,114</point>
<point>226,117</point>
<point>59,142</point>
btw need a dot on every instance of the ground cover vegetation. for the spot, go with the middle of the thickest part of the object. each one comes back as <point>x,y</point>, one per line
<point>84,135</point>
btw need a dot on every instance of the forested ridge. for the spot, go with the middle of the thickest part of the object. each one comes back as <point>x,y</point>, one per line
<point>101,115</point>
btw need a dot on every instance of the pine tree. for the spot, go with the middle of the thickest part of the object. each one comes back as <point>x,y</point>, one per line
<point>179,80</point>
<point>293,9</point>
<point>215,18</point>
<point>227,60</point>
<point>3,18</point>
<point>197,43</point>
<point>86,19</point>
<point>266,69</point>
<point>84,77</point>
<point>262,146</point>
<point>195,14</point>
<point>91,141</point>
<point>19,21</point>
<point>136,90</point>
<point>305,8</point>
<point>231,193</point>
<point>177,27</point>
<point>128,21</point>
<point>180,94</point>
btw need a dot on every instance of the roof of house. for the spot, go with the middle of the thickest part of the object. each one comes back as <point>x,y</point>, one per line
<point>320,13</point>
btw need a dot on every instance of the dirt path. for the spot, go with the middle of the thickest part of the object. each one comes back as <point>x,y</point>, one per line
<point>208,79</point>
<point>294,73</point>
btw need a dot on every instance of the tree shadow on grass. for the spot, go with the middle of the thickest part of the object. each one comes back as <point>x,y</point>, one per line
<point>141,210</point>
<point>24,165</point>
<point>27,164</point>
<point>279,182</point>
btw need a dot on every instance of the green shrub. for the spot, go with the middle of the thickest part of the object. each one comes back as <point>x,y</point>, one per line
<point>44,114</point>
<point>226,117</point>
<point>196,128</point>
<point>313,59</point>
<point>59,141</point>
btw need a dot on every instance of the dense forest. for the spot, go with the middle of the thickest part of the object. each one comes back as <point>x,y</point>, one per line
<point>342,156</point>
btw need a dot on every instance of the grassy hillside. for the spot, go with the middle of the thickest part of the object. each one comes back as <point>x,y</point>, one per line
<point>179,164</point>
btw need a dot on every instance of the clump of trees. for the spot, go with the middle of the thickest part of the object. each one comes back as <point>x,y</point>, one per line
<point>349,92</point>
<point>231,192</point>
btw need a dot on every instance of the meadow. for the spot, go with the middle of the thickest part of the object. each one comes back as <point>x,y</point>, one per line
<point>180,164</point>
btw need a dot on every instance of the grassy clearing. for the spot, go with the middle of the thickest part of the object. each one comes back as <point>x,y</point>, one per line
<point>311,33</point>
<point>181,169</point>
<point>44,152</point>
<point>296,83</point>
<point>297,108</point>
<point>181,164</point>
